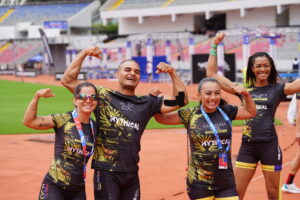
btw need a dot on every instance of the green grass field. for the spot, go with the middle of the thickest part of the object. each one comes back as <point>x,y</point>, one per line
<point>15,97</point>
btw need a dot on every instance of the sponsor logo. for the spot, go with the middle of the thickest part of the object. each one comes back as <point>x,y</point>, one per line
<point>127,107</point>
<point>214,142</point>
<point>44,191</point>
<point>261,107</point>
<point>124,122</point>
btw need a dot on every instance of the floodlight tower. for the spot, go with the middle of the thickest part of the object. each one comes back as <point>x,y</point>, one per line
<point>12,2</point>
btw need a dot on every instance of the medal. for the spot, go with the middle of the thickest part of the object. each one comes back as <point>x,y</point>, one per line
<point>223,157</point>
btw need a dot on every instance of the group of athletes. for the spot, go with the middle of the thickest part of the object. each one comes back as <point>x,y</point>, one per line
<point>121,117</point>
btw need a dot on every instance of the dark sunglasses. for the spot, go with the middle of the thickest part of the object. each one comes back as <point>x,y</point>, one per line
<point>85,97</point>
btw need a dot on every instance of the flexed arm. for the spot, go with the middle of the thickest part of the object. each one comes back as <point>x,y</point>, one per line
<point>38,122</point>
<point>69,79</point>
<point>171,118</point>
<point>212,68</point>
<point>293,87</point>
<point>178,88</point>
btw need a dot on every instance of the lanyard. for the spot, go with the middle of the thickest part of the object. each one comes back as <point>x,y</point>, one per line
<point>82,139</point>
<point>213,128</point>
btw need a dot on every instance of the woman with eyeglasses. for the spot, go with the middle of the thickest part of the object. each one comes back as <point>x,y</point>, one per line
<point>259,141</point>
<point>74,138</point>
<point>208,125</point>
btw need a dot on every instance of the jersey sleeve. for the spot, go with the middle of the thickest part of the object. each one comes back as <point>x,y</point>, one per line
<point>184,115</point>
<point>103,91</point>
<point>230,110</point>
<point>156,104</point>
<point>59,119</point>
<point>280,89</point>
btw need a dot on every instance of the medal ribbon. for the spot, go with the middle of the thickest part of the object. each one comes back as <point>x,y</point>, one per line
<point>82,139</point>
<point>213,128</point>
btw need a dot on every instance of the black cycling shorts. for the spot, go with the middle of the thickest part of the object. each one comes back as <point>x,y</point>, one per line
<point>50,191</point>
<point>267,153</point>
<point>205,194</point>
<point>116,185</point>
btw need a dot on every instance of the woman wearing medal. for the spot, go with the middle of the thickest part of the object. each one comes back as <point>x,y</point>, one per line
<point>208,125</point>
<point>259,141</point>
<point>74,138</point>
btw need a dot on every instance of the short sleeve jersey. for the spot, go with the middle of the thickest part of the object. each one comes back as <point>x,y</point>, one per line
<point>203,170</point>
<point>122,120</point>
<point>267,99</point>
<point>66,169</point>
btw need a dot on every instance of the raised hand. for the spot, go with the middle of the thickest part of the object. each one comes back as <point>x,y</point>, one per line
<point>155,91</point>
<point>46,93</point>
<point>164,68</point>
<point>93,51</point>
<point>218,38</point>
<point>240,89</point>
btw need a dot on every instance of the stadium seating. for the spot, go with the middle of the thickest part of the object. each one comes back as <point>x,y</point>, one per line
<point>137,4</point>
<point>14,53</point>
<point>188,2</point>
<point>37,14</point>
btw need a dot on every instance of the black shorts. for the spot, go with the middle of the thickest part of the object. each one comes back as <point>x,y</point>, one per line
<point>224,194</point>
<point>268,153</point>
<point>116,185</point>
<point>50,191</point>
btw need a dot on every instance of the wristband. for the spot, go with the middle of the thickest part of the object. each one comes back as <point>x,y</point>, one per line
<point>213,52</point>
<point>214,46</point>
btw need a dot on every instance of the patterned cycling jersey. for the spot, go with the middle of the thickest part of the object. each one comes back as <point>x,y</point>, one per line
<point>267,99</point>
<point>121,122</point>
<point>203,171</point>
<point>66,169</point>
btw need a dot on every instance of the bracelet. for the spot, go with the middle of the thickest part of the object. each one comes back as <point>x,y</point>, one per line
<point>214,46</point>
<point>213,52</point>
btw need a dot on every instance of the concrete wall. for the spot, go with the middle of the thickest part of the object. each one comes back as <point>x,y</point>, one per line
<point>294,15</point>
<point>156,24</point>
<point>253,18</point>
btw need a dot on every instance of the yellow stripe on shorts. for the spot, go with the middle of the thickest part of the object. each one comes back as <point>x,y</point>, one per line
<point>207,198</point>
<point>245,165</point>
<point>271,168</point>
<point>228,198</point>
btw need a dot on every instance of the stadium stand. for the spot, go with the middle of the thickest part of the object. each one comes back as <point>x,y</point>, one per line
<point>137,4</point>
<point>19,51</point>
<point>37,14</point>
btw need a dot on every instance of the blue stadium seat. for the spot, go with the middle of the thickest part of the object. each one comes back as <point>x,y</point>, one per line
<point>40,13</point>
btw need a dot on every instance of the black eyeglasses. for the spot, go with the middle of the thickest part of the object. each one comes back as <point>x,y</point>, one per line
<point>85,97</point>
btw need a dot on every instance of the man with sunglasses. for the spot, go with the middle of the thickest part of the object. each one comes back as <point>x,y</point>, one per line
<point>121,117</point>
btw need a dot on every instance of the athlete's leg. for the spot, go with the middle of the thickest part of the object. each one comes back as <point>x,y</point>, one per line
<point>271,164</point>
<point>49,191</point>
<point>227,194</point>
<point>106,186</point>
<point>295,165</point>
<point>272,181</point>
<point>243,177</point>
<point>200,194</point>
<point>245,166</point>
<point>130,187</point>
<point>289,185</point>
<point>76,195</point>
